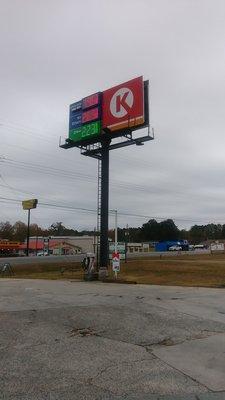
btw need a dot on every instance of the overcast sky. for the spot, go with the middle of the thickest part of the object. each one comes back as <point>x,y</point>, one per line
<point>54,52</point>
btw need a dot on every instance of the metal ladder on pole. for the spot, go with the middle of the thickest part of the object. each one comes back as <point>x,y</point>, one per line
<point>99,195</point>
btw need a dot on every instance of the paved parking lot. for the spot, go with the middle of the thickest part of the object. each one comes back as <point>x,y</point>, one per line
<point>79,340</point>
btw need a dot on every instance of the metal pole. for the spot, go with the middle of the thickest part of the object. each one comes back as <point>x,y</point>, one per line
<point>36,243</point>
<point>116,232</point>
<point>103,267</point>
<point>126,236</point>
<point>28,233</point>
<point>116,240</point>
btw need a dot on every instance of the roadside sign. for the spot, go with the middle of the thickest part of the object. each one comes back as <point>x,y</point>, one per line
<point>217,246</point>
<point>123,105</point>
<point>121,248</point>
<point>116,262</point>
<point>29,204</point>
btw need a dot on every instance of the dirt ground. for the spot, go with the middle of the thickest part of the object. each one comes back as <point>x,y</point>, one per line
<point>207,270</point>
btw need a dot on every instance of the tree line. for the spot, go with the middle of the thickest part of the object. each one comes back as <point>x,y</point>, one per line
<point>149,231</point>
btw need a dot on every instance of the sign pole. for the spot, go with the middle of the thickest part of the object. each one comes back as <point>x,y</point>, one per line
<point>116,232</point>
<point>103,267</point>
<point>116,239</point>
<point>28,233</point>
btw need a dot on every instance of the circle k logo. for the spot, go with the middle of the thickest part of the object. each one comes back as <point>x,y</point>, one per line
<point>121,102</point>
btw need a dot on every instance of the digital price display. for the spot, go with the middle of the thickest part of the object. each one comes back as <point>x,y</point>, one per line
<point>85,118</point>
<point>90,115</point>
<point>91,101</point>
<point>85,131</point>
<point>75,120</point>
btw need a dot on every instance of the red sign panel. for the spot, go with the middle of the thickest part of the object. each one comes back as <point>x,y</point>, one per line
<point>90,115</point>
<point>90,101</point>
<point>115,256</point>
<point>123,105</point>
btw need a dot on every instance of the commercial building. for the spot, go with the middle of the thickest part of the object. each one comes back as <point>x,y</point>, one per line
<point>59,245</point>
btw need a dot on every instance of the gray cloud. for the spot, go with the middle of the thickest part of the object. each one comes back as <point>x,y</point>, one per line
<point>56,52</point>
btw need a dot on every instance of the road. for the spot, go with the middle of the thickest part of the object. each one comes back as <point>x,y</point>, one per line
<point>79,257</point>
<point>66,340</point>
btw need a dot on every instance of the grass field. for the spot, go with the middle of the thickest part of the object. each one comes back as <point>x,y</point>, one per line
<point>187,270</point>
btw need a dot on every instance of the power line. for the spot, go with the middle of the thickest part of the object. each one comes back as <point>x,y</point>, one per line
<point>83,209</point>
<point>39,168</point>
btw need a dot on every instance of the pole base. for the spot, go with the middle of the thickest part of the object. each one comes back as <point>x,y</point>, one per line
<point>103,274</point>
<point>91,277</point>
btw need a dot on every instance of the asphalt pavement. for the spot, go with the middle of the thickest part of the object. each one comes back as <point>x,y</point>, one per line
<point>85,341</point>
<point>79,257</point>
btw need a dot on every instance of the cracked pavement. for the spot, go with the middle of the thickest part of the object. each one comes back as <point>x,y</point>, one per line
<point>80,340</point>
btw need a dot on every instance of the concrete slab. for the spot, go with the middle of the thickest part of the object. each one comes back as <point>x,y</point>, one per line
<point>212,396</point>
<point>67,340</point>
<point>202,359</point>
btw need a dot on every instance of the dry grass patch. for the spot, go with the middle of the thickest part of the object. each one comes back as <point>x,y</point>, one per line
<point>184,270</point>
<point>205,270</point>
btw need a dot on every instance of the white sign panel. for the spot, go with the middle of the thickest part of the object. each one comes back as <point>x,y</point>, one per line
<point>217,247</point>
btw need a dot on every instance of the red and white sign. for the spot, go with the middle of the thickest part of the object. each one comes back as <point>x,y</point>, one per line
<point>123,105</point>
<point>116,262</point>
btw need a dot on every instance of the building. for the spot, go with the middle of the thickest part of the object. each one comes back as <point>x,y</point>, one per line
<point>138,247</point>
<point>59,245</point>
<point>8,248</point>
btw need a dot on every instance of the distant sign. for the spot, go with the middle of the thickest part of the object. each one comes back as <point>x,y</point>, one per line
<point>123,105</point>
<point>29,204</point>
<point>217,247</point>
<point>121,248</point>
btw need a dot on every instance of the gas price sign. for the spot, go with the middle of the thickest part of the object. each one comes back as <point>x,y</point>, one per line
<point>112,111</point>
<point>85,118</point>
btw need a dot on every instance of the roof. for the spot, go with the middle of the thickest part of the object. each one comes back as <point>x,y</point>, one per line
<point>39,244</point>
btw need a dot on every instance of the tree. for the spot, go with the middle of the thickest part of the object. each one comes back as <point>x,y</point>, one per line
<point>19,231</point>
<point>197,233</point>
<point>168,230</point>
<point>213,231</point>
<point>58,229</point>
<point>150,230</point>
<point>6,230</point>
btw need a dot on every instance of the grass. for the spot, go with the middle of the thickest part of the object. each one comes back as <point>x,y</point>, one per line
<point>197,270</point>
<point>207,270</point>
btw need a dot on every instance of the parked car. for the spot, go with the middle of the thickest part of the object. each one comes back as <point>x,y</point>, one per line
<point>41,254</point>
<point>175,248</point>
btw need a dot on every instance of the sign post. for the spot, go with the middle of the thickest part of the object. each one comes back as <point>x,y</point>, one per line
<point>116,263</point>
<point>96,123</point>
<point>103,267</point>
<point>28,205</point>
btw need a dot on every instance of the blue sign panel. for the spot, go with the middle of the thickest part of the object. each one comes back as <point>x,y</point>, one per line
<point>75,119</point>
<point>76,106</point>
